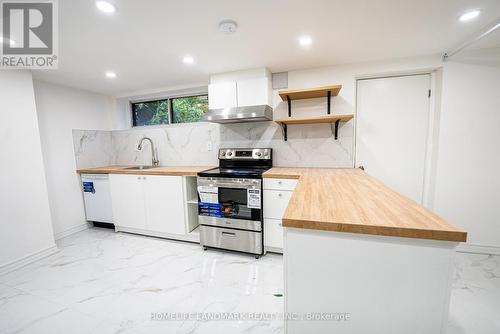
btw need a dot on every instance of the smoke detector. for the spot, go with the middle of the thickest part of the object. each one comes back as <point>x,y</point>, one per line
<point>228,26</point>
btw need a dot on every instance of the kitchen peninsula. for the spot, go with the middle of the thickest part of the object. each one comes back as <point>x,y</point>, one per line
<point>353,246</point>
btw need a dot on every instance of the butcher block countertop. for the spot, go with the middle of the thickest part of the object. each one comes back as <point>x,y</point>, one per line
<point>349,200</point>
<point>122,169</point>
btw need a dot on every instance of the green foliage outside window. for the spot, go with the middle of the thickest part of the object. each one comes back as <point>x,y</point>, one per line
<point>189,109</point>
<point>150,113</point>
<point>184,110</point>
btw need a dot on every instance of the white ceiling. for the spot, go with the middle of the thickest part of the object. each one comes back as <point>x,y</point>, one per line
<point>144,42</point>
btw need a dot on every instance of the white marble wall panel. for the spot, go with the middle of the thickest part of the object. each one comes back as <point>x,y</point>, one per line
<point>189,144</point>
<point>93,148</point>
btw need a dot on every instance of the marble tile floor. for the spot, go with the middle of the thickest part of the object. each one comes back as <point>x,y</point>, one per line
<point>106,282</point>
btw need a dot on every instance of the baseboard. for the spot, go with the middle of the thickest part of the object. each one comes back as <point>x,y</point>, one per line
<point>276,250</point>
<point>21,262</point>
<point>478,249</point>
<point>73,230</point>
<point>188,237</point>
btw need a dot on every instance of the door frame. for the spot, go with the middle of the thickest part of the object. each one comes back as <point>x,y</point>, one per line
<point>430,161</point>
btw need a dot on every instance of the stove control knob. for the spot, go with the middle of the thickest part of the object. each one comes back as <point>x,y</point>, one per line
<point>229,153</point>
<point>258,154</point>
<point>223,153</point>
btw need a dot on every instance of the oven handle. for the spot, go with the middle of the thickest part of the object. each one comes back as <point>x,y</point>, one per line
<point>244,185</point>
<point>230,234</point>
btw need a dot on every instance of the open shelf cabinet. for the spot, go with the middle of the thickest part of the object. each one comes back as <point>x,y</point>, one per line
<point>191,199</point>
<point>314,120</point>
<point>310,93</point>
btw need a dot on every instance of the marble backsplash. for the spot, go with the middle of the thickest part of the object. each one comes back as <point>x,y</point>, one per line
<point>197,144</point>
<point>93,148</point>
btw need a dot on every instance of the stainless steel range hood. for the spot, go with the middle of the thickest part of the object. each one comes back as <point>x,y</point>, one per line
<point>240,114</point>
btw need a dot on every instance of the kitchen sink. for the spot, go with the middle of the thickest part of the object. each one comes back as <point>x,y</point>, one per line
<point>140,167</point>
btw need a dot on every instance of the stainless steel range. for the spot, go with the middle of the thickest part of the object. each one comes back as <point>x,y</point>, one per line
<point>230,201</point>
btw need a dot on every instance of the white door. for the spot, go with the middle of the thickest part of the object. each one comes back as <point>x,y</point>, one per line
<point>127,197</point>
<point>222,95</point>
<point>253,92</point>
<point>392,129</point>
<point>164,204</point>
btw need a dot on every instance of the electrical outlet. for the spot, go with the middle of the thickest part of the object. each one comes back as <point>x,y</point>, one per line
<point>209,145</point>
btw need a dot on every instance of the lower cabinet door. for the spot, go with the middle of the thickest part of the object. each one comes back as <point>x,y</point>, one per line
<point>273,233</point>
<point>127,197</point>
<point>275,203</point>
<point>164,204</point>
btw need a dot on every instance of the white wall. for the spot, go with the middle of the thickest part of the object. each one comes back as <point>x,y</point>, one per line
<point>25,220</point>
<point>60,110</point>
<point>461,185</point>
<point>467,185</point>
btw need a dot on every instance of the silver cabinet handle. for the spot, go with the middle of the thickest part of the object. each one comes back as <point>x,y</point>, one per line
<point>143,177</point>
<point>280,195</point>
<point>280,182</point>
<point>229,234</point>
<point>138,178</point>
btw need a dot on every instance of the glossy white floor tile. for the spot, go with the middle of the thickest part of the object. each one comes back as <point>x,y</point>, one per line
<point>104,282</point>
<point>475,298</point>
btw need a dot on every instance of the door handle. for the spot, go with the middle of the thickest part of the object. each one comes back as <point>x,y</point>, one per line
<point>229,234</point>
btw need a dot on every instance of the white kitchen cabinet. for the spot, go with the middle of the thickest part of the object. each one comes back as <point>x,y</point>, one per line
<point>254,91</point>
<point>277,194</point>
<point>148,203</point>
<point>275,203</point>
<point>164,204</point>
<point>222,95</point>
<point>273,233</point>
<point>128,201</point>
<point>279,184</point>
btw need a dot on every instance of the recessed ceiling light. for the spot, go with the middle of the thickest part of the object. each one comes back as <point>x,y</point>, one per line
<point>305,40</point>
<point>110,74</point>
<point>105,6</point>
<point>469,15</point>
<point>188,60</point>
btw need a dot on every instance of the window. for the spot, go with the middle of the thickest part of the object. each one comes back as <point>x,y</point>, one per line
<point>189,109</point>
<point>184,109</point>
<point>150,112</point>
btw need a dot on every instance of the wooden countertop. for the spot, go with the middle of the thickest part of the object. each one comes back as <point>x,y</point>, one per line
<point>350,200</point>
<point>167,170</point>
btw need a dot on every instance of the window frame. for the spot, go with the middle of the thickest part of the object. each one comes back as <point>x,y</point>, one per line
<point>170,113</point>
<point>171,108</point>
<point>134,125</point>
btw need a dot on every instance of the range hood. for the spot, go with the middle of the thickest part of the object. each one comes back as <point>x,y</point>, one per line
<point>257,113</point>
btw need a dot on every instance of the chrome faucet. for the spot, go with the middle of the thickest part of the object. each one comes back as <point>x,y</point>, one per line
<point>154,153</point>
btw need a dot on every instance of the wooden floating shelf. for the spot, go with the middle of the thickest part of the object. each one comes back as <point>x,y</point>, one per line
<point>314,120</point>
<point>284,122</point>
<point>309,93</point>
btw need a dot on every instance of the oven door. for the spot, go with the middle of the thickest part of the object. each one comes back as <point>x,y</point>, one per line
<point>230,202</point>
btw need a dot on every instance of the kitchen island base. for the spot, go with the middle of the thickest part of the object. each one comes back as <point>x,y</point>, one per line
<point>365,283</point>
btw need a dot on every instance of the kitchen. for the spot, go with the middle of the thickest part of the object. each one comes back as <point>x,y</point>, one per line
<point>238,193</point>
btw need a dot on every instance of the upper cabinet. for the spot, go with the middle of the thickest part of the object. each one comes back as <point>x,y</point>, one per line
<point>222,95</point>
<point>240,89</point>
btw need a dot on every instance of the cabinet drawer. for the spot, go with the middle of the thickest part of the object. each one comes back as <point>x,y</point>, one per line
<point>273,233</point>
<point>227,238</point>
<point>275,203</point>
<point>280,184</point>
